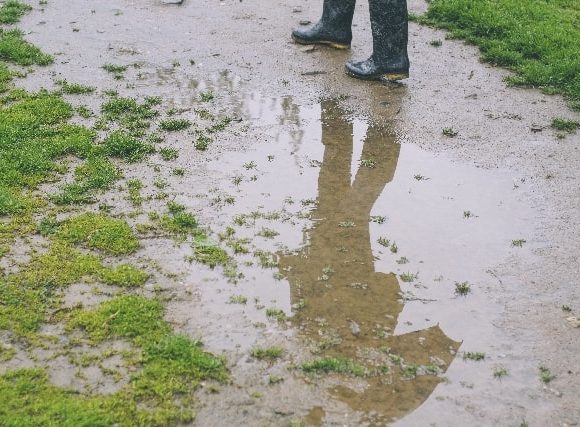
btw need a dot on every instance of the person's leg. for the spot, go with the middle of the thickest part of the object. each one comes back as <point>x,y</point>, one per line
<point>389,60</point>
<point>333,28</point>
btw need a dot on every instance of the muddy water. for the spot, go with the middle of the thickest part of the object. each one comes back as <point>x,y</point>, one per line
<point>286,165</point>
<point>370,238</point>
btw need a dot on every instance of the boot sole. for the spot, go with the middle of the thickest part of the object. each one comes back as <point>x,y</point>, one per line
<point>321,42</point>
<point>388,77</point>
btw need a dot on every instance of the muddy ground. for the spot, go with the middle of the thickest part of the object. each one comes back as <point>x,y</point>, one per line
<point>326,170</point>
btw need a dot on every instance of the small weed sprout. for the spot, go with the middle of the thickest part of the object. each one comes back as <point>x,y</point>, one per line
<point>383,241</point>
<point>378,219</point>
<point>499,372</point>
<point>565,125</point>
<point>473,355</point>
<point>545,375</point>
<point>173,125</point>
<point>368,163</point>
<point>169,154</point>
<point>402,260</point>
<point>462,289</point>
<point>518,243</point>
<point>276,313</point>
<point>450,132</point>
<point>346,224</point>
<point>206,96</point>
<point>238,299</point>
<point>408,277</point>
<point>420,177</point>
<point>394,248</point>
<point>268,353</point>
<point>436,43</point>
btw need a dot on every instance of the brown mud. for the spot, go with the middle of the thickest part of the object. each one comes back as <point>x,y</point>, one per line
<point>323,171</point>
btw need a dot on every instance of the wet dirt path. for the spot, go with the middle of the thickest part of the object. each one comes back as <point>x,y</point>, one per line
<point>362,224</point>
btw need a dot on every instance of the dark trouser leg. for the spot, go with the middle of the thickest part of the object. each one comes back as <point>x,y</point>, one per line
<point>389,60</point>
<point>333,28</point>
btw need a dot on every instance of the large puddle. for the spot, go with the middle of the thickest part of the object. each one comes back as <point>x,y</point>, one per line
<point>365,244</point>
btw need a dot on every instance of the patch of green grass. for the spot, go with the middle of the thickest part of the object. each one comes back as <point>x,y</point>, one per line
<point>97,231</point>
<point>276,313</point>
<point>537,39</point>
<point>565,125</point>
<point>129,114</point>
<point>499,372</point>
<point>116,70</point>
<point>408,277</point>
<point>210,254</point>
<point>473,355</point>
<point>268,233</point>
<point>334,365</point>
<point>545,375</point>
<point>462,288</point>
<point>173,125</point>
<point>123,145</point>
<point>450,132</point>
<point>13,48</point>
<point>124,275</point>
<point>202,142</point>
<point>12,10</point>
<point>268,353</point>
<point>206,96</point>
<point>135,186</point>
<point>5,78</point>
<point>97,173</point>
<point>179,222</point>
<point>238,299</point>
<point>74,88</point>
<point>126,316</point>
<point>169,154</point>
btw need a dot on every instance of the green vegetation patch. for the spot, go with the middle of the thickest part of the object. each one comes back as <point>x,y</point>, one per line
<point>74,88</point>
<point>173,125</point>
<point>269,353</point>
<point>565,125</point>
<point>97,231</point>
<point>128,113</point>
<point>538,39</point>
<point>26,296</point>
<point>34,135</point>
<point>11,11</point>
<point>13,48</point>
<point>334,365</point>
<point>5,78</point>
<point>97,173</point>
<point>123,145</point>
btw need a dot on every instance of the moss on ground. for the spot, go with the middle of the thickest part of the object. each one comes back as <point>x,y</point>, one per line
<point>36,143</point>
<point>97,231</point>
<point>11,11</point>
<point>13,48</point>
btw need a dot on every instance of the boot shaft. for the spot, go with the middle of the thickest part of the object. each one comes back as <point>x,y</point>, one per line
<point>389,24</point>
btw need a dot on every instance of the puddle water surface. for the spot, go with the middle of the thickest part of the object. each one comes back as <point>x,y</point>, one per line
<point>361,242</point>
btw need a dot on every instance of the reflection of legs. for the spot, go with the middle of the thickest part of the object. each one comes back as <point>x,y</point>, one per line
<point>379,147</point>
<point>389,60</point>
<point>334,178</point>
<point>334,27</point>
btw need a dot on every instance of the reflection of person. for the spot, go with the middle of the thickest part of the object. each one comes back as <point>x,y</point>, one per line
<point>389,60</point>
<point>348,310</point>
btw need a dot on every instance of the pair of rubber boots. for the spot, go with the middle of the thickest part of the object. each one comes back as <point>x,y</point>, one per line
<point>389,26</point>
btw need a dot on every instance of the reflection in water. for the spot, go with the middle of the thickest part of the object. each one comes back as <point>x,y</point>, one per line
<point>346,309</point>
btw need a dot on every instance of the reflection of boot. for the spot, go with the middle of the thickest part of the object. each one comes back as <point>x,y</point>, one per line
<point>389,60</point>
<point>334,27</point>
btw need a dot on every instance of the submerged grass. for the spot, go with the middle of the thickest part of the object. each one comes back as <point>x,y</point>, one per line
<point>537,39</point>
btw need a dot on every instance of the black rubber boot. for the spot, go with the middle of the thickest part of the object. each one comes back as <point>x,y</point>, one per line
<point>389,60</point>
<point>333,28</point>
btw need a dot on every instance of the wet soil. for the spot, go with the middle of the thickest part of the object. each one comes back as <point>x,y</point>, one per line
<point>361,217</point>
